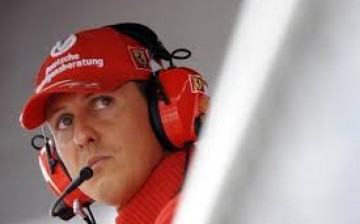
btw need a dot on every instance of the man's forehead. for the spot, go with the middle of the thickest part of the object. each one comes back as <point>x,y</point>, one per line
<point>58,101</point>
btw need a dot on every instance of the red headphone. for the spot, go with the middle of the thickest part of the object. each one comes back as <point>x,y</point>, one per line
<point>177,99</point>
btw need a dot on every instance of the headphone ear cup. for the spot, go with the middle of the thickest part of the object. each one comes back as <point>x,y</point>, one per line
<point>58,180</point>
<point>178,121</point>
<point>153,98</point>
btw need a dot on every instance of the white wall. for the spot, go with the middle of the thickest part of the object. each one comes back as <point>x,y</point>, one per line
<point>299,161</point>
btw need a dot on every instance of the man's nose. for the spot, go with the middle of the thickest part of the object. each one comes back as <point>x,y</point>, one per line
<point>84,133</point>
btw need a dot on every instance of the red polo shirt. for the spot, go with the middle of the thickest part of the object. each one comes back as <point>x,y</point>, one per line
<point>156,201</point>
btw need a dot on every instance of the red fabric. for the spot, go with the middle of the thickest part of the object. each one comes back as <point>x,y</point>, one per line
<point>95,60</point>
<point>168,213</point>
<point>156,201</point>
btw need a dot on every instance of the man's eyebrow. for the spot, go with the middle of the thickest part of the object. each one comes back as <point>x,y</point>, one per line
<point>87,96</point>
<point>50,113</point>
<point>55,110</point>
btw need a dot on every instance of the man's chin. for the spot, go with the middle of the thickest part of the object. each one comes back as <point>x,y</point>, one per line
<point>101,189</point>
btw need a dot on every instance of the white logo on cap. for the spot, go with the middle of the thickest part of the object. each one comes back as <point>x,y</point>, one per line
<point>62,46</point>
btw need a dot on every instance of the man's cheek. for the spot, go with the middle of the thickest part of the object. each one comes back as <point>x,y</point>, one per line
<point>70,164</point>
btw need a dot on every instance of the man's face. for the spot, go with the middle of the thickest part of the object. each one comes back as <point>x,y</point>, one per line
<point>111,133</point>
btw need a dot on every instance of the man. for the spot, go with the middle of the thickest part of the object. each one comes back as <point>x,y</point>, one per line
<point>96,93</point>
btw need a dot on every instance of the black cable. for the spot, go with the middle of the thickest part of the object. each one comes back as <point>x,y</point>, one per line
<point>85,174</point>
<point>87,220</point>
<point>160,89</point>
<point>52,162</point>
<point>35,138</point>
<point>180,54</point>
<point>186,53</point>
<point>91,215</point>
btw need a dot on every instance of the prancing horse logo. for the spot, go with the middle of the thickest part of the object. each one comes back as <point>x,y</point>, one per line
<point>62,46</point>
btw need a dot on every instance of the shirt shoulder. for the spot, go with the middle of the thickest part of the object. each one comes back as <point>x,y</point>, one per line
<point>167,214</point>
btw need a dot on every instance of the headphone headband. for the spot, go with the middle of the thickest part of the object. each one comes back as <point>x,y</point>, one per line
<point>145,36</point>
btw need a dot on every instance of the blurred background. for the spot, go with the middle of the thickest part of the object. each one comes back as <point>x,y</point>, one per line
<point>282,142</point>
<point>28,31</point>
<point>298,156</point>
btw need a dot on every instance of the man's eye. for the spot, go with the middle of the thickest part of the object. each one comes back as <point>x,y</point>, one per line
<point>64,122</point>
<point>102,102</point>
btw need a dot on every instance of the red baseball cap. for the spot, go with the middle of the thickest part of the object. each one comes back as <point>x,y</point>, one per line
<point>96,60</point>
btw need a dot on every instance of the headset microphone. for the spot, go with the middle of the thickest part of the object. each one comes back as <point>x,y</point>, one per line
<point>85,174</point>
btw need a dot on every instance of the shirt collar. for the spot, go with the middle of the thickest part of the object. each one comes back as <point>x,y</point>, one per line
<point>163,184</point>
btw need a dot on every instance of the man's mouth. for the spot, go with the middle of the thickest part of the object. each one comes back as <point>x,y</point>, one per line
<point>96,160</point>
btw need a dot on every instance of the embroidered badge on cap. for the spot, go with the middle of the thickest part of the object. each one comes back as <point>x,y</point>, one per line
<point>140,57</point>
<point>62,46</point>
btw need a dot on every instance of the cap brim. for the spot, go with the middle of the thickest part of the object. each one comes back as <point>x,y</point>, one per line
<point>34,112</point>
